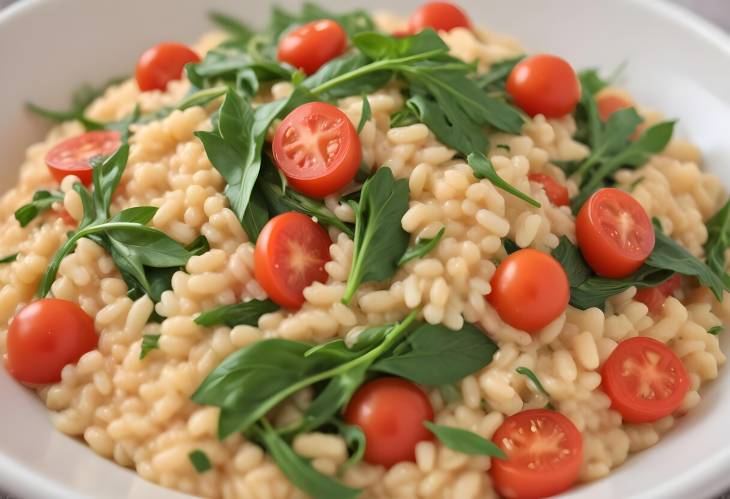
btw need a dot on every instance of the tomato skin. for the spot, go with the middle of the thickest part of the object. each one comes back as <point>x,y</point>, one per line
<point>614,233</point>
<point>290,254</point>
<point>162,63</point>
<point>544,84</point>
<point>45,336</point>
<point>655,296</point>
<point>610,103</point>
<point>526,476</point>
<point>72,156</point>
<point>310,46</point>
<point>556,193</point>
<point>441,16</point>
<point>529,290</point>
<point>391,413</point>
<point>318,149</point>
<point>622,383</point>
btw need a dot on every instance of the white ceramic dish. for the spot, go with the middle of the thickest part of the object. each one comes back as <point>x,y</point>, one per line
<point>677,63</point>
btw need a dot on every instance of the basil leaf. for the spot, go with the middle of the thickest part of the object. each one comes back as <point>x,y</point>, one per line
<point>366,114</point>
<point>434,355</point>
<point>572,262</point>
<point>200,460</point>
<point>422,248</point>
<point>300,472</point>
<point>247,313</point>
<point>355,439</point>
<point>715,330</point>
<point>41,201</point>
<point>149,342</point>
<point>535,381</point>
<point>380,241</point>
<point>9,258</point>
<point>483,169</point>
<point>718,240</point>
<point>465,441</point>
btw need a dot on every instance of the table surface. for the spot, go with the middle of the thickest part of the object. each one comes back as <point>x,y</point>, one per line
<point>717,11</point>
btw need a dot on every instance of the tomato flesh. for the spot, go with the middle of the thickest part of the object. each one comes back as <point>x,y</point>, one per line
<point>644,379</point>
<point>45,336</point>
<point>159,65</point>
<point>290,255</point>
<point>544,84</point>
<point>556,193</point>
<point>529,290</point>
<point>73,156</point>
<point>391,413</point>
<point>614,233</point>
<point>318,149</point>
<point>441,16</point>
<point>310,46</point>
<point>544,454</point>
<point>655,296</point>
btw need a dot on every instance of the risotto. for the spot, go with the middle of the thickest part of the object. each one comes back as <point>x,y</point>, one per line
<point>355,256</point>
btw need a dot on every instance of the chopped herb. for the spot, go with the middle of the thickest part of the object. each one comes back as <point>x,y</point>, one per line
<point>505,147</point>
<point>484,169</point>
<point>422,248</point>
<point>9,258</point>
<point>535,381</point>
<point>41,201</point>
<point>247,313</point>
<point>715,330</point>
<point>149,342</point>
<point>509,245</point>
<point>200,460</point>
<point>464,441</point>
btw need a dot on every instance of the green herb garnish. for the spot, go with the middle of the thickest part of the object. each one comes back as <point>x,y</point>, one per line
<point>484,169</point>
<point>247,313</point>
<point>41,201</point>
<point>9,258</point>
<point>529,374</point>
<point>149,342</point>
<point>422,248</point>
<point>464,441</point>
<point>200,460</point>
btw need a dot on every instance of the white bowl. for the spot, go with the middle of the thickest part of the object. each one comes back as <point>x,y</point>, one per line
<point>677,63</point>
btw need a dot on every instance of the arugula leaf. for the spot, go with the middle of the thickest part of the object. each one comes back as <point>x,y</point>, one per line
<point>352,22</point>
<point>572,261</point>
<point>422,248</point>
<point>434,355</point>
<point>450,393</point>
<point>535,381</point>
<point>299,471</point>
<point>355,439</point>
<point>591,81</point>
<point>380,241</point>
<point>9,258</point>
<point>495,79</point>
<point>715,330</point>
<point>247,313</point>
<point>718,241</point>
<point>366,113</point>
<point>200,460</point>
<point>465,441</point>
<point>149,342</point>
<point>41,201</point>
<point>484,169</point>
<point>344,70</point>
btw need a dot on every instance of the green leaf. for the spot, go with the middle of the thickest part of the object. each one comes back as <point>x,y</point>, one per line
<point>380,241</point>
<point>201,98</point>
<point>106,177</point>
<point>718,241</point>
<point>355,439</point>
<point>483,169</point>
<point>572,262</point>
<point>370,337</point>
<point>343,67</point>
<point>149,342</point>
<point>495,79</point>
<point>594,291</point>
<point>200,460</point>
<point>247,313</point>
<point>715,330</point>
<point>422,248</point>
<point>434,355</point>
<point>256,215</point>
<point>535,381</point>
<point>591,81</point>
<point>366,114</point>
<point>450,393</point>
<point>509,245</point>
<point>465,441</point>
<point>9,258</point>
<point>41,201</point>
<point>300,472</point>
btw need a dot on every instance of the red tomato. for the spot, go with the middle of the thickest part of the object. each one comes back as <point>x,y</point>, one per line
<point>312,45</point>
<point>544,84</point>
<point>73,156</point>
<point>290,255</point>
<point>441,16</point>
<point>544,453</point>
<point>614,233</point>
<point>317,149</point>
<point>645,380</point>
<point>655,297</point>
<point>529,290</point>
<point>556,193</point>
<point>159,65</point>
<point>45,336</point>
<point>610,103</point>
<point>391,413</point>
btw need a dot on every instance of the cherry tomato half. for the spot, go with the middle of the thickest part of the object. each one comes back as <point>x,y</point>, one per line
<point>391,413</point>
<point>45,336</point>
<point>610,103</point>
<point>312,45</point>
<point>529,290</point>
<point>544,84</point>
<point>73,156</point>
<point>544,453</point>
<point>644,379</point>
<point>159,65</point>
<point>441,16</point>
<point>655,296</point>
<point>290,255</point>
<point>317,149</point>
<point>614,233</point>
<point>556,192</point>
